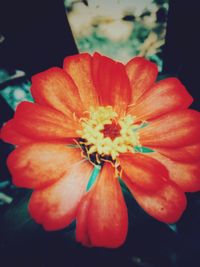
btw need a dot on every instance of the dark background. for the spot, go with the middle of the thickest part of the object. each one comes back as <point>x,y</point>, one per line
<point>36,38</point>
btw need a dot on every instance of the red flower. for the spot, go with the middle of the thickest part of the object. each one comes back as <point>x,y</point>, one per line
<point>97,115</point>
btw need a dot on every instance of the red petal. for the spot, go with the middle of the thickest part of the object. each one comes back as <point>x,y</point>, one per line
<point>111,83</point>
<point>43,123</point>
<point>142,74</point>
<point>166,204</point>
<point>184,154</point>
<point>10,135</point>
<point>185,175</point>
<point>143,171</point>
<point>165,96</point>
<point>55,206</point>
<point>82,234</point>
<point>180,128</point>
<point>40,164</point>
<point>55,89</point>
<point>79,67</point>
<point>106,223</point>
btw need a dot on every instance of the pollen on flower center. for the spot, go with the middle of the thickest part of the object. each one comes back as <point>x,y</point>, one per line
<point>106,135</point>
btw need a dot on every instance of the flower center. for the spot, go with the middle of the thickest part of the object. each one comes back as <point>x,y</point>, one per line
<point>104,135</point>
<point>111,130</point>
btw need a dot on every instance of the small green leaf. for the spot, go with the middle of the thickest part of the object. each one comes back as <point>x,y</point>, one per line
<point>143,149</point>
<point>93,176</point>
<point>142,125</point>
<point>73,146</point>
<point>173,227</point>
<point>124,188</point>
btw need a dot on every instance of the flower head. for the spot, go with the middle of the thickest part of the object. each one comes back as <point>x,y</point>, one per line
<point>96,121</point>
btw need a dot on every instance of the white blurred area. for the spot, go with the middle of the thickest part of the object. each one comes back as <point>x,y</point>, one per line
<point>110,13</point>
<point>120,29</point>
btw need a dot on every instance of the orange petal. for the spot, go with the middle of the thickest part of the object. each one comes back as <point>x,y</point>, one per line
<point>179,128</point>
<point>55,89</point>
<point>55,206</point>
<point>79,67</point>
<point>165,96</point>
<point>166,204</point>
<point>102,219</point>
<point>10,135</point>
<point>185,175</point>
<point>111,83</point>
<point>40,164</point>
<point>143,171</point>
<point>142,75</point>
<point>43,123</point>
<point>183,154</point>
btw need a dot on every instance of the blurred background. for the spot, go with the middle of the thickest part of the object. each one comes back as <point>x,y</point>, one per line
<point>120,29</point>
<point>35,35</point>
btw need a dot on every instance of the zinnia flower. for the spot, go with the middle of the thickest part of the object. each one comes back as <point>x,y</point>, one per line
<point>96,121</point>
